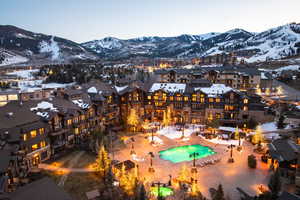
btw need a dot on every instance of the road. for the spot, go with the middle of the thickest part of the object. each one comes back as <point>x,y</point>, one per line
<point>290,92</point>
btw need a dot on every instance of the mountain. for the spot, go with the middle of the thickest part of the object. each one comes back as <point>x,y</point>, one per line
<point>18,45</point>
<point>275,43</point>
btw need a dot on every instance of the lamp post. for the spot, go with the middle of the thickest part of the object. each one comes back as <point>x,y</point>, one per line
<point>231,160</point>
<point>194,155</point>
<point>152,136</point>
<point>151,169</point>
<point>159,184</point>
<point>132,152</point>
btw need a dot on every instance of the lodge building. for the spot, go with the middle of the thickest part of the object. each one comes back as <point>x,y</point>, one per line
<point>32,131</point>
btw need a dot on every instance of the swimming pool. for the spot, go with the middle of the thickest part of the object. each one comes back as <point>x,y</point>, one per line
<point>182,153</point>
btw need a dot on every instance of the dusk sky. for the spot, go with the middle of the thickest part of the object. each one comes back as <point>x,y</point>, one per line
<point>84,20</point>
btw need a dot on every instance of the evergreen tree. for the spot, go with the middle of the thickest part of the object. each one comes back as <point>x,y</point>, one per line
<point>102,162</point>
<point>280,124</point>
<point>142,193</point>
<point>275,184</point>
<point>219,194</point>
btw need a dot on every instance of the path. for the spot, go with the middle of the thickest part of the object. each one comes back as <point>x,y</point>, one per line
<point>72,163</point>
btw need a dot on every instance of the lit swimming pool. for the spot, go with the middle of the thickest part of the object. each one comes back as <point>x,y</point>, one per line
<point>163,191</point>
<point>182,153</point>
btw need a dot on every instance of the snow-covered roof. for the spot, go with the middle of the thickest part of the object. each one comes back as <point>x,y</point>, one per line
<point>215,89</point>
<point>92,90</point>
<point>119,89</point>
<point>81,104</point>
<point>44,105</point>
<point>168,87</point>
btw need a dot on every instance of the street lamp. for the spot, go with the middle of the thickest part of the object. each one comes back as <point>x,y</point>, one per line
<point>132,152</point>
<point>231,146</point>
<point>194,155</point>
<point>151,169</point>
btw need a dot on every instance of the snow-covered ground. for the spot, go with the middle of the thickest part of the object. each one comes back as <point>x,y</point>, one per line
<point>13,59</point>
<point>271,126</point>
<point>156,140</point>
<point>51,47</point>
<point>172,132</point>
<point>25,74</point>
<point>221,141</point>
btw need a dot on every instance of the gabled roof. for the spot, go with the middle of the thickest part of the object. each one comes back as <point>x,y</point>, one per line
<point>284,149</point>
<point>43,189</point>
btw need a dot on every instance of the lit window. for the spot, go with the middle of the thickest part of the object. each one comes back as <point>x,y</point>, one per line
<point>41,131</point>
<point>69,122</point>
<point>218,100</point>
<point>33,133</point>
<point>43,144</point>
<point>82,117</point>
<point>211,100</point>
<point>34,147</point>
<point>25,137</point>
<point>12,97</point>
<point>3,98</point>
<point>76,130</point>
<point>149,97</point>
<point>245,108</point>
<point>171,98</point>
<point>202,100</point>
<point>245,101</point>
<point>186,98</point>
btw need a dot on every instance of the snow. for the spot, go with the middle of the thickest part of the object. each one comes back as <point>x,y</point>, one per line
<point>44,105</point>
<point>51,47</point>
<point>214,90</point>
<point>156,140</point>
<point>12,59</point>
<point>20,35</point>
<point>229,129</point>
<point>263,76</point>
<point>224,142</point>
<point>81,104</point>
<point>172,132</point>
<point>92,90</point>
<point>289,67</point>
<point>26,74</point>
<point>168,87</point>
<point>56,85</point>
<point>271,127</point>
<point>119,89</point>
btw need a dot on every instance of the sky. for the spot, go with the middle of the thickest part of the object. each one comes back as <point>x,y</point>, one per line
<point>85,20</point>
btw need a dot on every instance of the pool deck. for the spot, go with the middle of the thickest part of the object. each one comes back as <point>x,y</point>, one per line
<point>230,175</point>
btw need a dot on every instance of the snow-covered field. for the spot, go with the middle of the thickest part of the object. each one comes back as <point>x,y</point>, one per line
<point>172,132</point>
<point>9,60</point>
<point>26,74</point>
<point>221,141</point>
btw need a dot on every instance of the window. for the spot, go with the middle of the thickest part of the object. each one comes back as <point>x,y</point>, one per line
<point>43,144</point>
<point>34,147</point>
<point>245,101</point>
<point>12,97</point>
<point>122,99</point>
<point>76,131</point>
<point>202,100</point>
<point>24,137</point>
<point>194,97</point>
<point>41,131</point>
<point>245,108</point>
<point>109,99</point>
<point>149,97</point>
<point>218,115</point>
<point>211,100</point>
<point>69,122</point>
<point>33,133</point>
<point>3,98</point>
<point>218,100</point>
<point>171,98</point>
<point>82,117</point>
<point>186,98</point>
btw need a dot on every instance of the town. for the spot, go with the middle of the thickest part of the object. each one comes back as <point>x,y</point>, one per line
<point>150,100</point>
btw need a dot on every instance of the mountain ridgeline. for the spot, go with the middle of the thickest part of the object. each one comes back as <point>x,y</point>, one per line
<point>18,45</point>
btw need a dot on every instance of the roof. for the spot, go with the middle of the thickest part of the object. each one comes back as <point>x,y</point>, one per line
<point>44,188</point>
<point>215,89</point>
<point>283,149</point>
<point>15,114</point>
<point>288,196</point>
<point>168,87</point>
<point>127,163</point>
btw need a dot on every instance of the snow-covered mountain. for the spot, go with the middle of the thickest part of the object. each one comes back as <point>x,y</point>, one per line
<point>275,43</point>
<point>18,46</point>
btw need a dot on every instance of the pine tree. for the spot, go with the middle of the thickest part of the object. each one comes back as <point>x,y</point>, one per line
<point>133,119</point>
<point>184,174</point>
<point>275,184</point>
<point>219,194</point>
<point>257,137</point>
<point>142,193</point>
<point>102,162</point>
<point>236,133</point>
